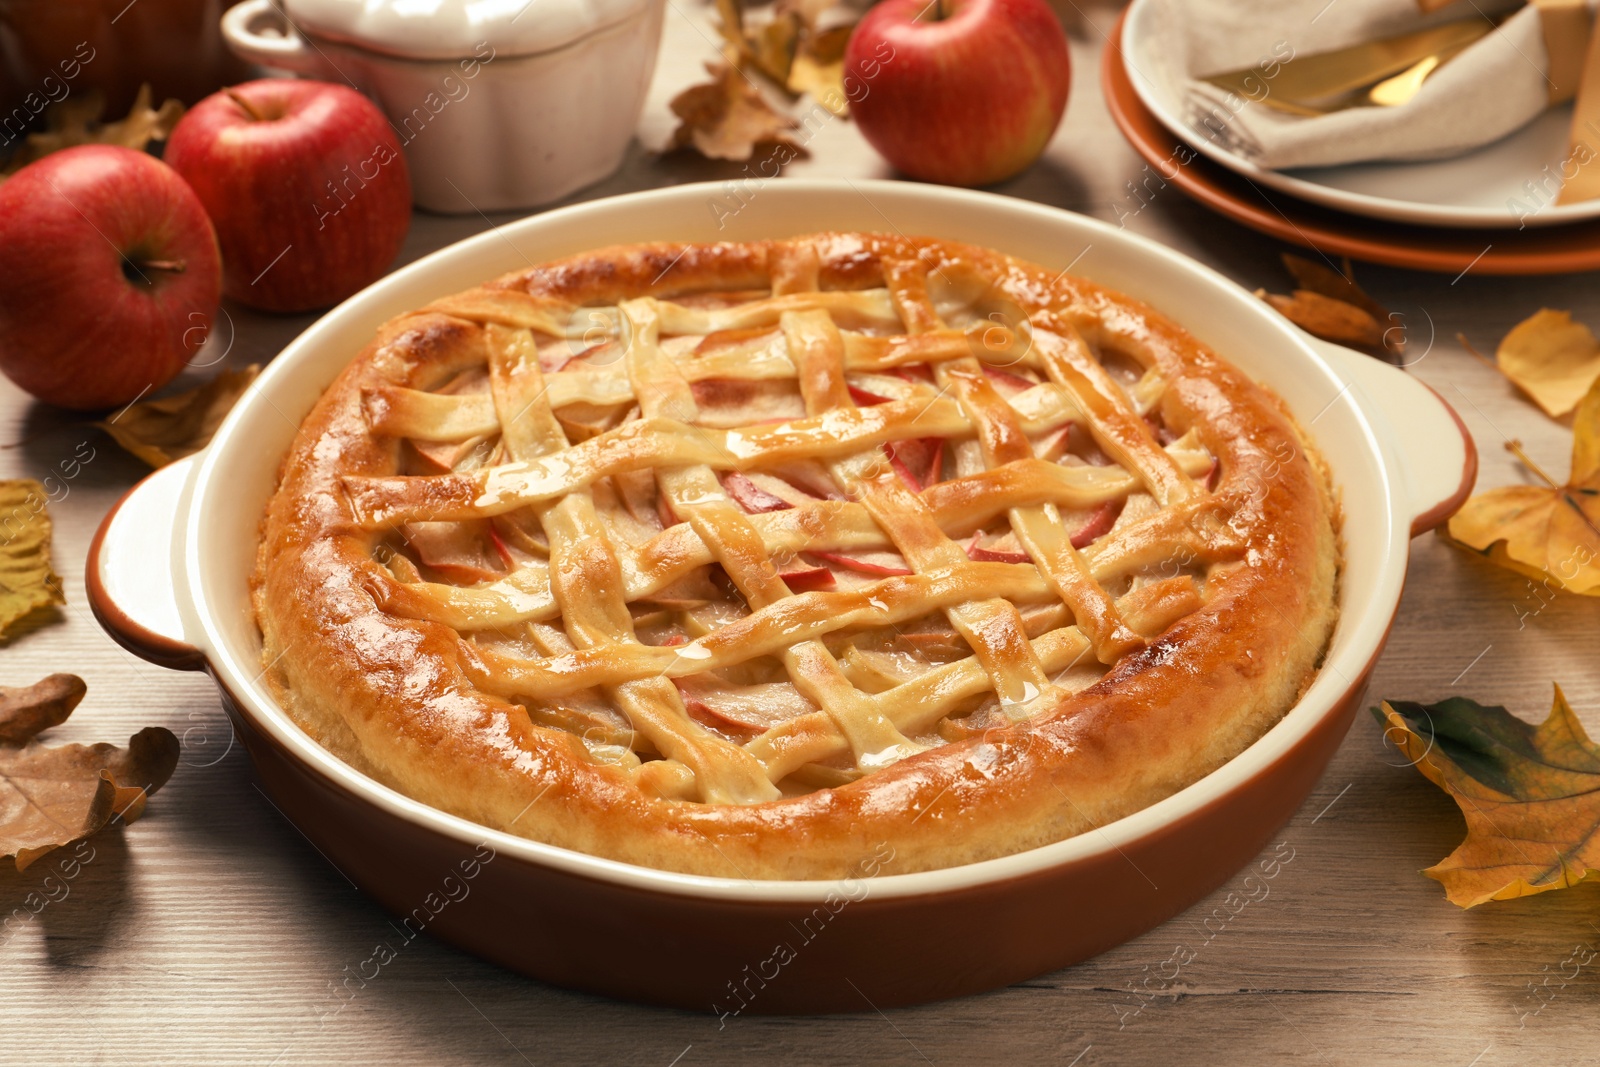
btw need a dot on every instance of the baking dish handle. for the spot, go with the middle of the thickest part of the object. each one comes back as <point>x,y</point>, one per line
<point>241,28</point>
<point>130,573</point>
<point>1437,459</point>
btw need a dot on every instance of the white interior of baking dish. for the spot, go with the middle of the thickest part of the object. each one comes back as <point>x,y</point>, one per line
<point>215,552</point>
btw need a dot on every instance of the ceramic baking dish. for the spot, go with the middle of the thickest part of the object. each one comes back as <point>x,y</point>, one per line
<point>167,577</point>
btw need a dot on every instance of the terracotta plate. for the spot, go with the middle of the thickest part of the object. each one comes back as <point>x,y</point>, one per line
<point>1548,250</point>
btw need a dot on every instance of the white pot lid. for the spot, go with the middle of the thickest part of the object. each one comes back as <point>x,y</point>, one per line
<point>458,29</point>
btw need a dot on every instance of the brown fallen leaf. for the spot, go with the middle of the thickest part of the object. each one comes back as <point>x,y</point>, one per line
<point>1530,794</point>
<point>809,11</point>
<point>1328,303</point>
<point>769,49</point>
<point>26,581</point>
<point>51,796</point>
<point>789,48</point>
<point>1327,318</point>
<point>818,68</point>
<point>28,710</point>
<point>171,427</point>
<point>75,121</point>
<point>1550,532</point>
<point>773,47</point>
<point>1341,285</point>
<point>1552,359</point>
<point>728,117</point>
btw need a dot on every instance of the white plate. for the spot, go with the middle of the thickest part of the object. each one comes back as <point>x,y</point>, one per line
<point>1481,189</point>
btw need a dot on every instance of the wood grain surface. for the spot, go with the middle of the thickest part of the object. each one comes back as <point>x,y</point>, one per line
<point>211,932</point>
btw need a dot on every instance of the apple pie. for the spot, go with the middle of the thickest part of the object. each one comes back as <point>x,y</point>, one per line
<point>753,560</point>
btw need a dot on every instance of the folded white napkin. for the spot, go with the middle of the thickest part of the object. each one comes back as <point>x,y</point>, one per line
<point>1495,86</point>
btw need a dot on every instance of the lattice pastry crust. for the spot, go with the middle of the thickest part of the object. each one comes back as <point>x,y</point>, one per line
<point>749,559</point>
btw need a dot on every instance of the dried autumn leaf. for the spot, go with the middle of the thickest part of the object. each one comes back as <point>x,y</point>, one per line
<point>818,68</point>
<point>50,796</point>
<point>810,12</point>
<point>768,50</point>
<point>29,710</point>
<point>772,48</point>
<point>171,427</point>
<point>1549,532</point>
<point>74,121</point>
<point>730,21</point>
<point>1327,318</point>
<point>26,581</point>
<point>1552,359</point>
<point>1530,794</point>
<point>728,117</point>
<point>1341,286</point>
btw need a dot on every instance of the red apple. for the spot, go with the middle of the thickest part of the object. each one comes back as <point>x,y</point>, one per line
<point>964,92</point>
<point>307,187</point>
<point>109,276</point>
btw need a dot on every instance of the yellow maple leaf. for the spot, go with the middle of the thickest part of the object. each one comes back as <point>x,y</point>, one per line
<point>1549,532</point>
<point>1552,359</point>
<point>1530,794</point>
<point>27,582</point>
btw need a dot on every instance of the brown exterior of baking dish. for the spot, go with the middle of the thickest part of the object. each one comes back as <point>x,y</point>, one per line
<point>720,945</point>
<point>731,957</point>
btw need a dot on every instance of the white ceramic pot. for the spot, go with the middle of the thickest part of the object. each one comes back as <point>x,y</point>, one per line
<point>495,111</point>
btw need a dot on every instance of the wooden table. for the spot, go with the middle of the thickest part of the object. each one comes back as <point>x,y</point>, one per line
<point>211,932</point>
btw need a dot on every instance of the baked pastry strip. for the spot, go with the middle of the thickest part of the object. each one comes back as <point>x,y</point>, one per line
<point>578,671</point>
<point>586,581</point>
<point>525,594</point>
<point>990,626</point>
<point>696,495</point>
<point>607,667</point>
<point>1001,439</point>
<point>425,416</point>
<point>664,393</point>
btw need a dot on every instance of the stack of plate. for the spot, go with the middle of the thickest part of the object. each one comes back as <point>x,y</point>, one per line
<point>1443,215</point>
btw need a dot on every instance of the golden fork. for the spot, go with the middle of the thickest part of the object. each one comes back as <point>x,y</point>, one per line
<point>1384,73</point>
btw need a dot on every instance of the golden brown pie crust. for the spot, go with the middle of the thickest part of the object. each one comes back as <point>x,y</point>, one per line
<point>397,696</point>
